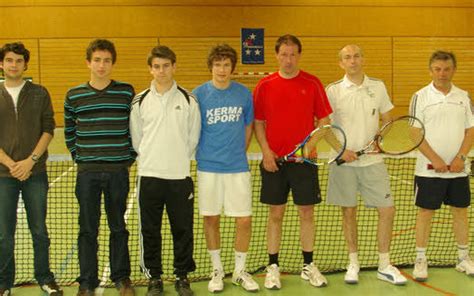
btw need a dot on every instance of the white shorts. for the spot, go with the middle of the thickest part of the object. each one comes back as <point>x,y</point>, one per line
<point>231,192</point>
<point>372,182</point>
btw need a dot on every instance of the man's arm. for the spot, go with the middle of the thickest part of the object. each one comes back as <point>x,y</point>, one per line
<point>248,135</point>
<point>22,169</point>
<point>70,128</point>
<point>269,157</point>
<point>457,165</point>
<point>6,160</point>
<point>194,126</point>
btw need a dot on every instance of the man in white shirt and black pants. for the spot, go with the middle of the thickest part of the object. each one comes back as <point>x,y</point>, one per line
<point>165,125</point>
<point>441,173</point>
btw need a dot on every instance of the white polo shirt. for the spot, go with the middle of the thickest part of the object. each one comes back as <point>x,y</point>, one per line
<point>356,109</point>
<point>446,118</point>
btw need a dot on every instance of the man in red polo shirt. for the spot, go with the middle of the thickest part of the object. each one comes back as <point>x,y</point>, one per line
<point>288,106</point>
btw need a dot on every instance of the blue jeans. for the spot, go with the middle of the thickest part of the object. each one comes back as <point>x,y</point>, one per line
<point>34,194</point>
<point>89,188</point>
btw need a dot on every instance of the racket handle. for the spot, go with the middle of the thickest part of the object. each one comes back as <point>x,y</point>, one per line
<point>340,161</point>
<point>430,166</point>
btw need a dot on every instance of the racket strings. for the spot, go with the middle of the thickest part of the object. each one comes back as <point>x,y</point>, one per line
<point>400,136</point>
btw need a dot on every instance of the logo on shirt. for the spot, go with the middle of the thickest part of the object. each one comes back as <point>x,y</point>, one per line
<point>177,107</point>
<point>223,114</point>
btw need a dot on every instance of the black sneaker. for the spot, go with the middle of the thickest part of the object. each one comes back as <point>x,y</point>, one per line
<point>5,292</point>
<point>155,287</point>
<point>183,287</point>
<point>52,289</point>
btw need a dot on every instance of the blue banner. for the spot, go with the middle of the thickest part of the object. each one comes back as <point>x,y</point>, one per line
<point>252,46</point>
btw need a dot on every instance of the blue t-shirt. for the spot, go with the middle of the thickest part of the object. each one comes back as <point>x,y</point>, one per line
<point>224,117</point>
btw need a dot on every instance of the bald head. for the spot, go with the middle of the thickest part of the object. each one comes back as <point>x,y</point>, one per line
<point>353,48</point>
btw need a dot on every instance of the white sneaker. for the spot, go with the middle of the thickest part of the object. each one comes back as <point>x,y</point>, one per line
<point>392,275</point>
<point>352,274</point>
<point>272,278</point>
<point>466,265</point>
<point>311,272</point>
<point>216,284</point>
<point>245,280</point>
<point>420,271</point>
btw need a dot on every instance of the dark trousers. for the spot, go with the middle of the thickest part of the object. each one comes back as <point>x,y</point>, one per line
<point>177,196</point>
<point>34,193</point>
<point>89,188</point>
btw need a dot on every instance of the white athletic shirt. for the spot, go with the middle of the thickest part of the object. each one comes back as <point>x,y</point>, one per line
<point>165,132</point>
<point>356,109</point>
<point>446,118</point>
<point>15,93</point>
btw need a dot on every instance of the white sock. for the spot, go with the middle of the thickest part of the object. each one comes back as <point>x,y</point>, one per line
<point>240,258</point>
<point>420,253</point>
<point>216,259</point>
<point>353,259</point>
<point>463,251</point>
<point>384,260</point>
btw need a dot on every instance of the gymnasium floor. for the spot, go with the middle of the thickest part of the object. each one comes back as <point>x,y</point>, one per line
<point>442,281</point>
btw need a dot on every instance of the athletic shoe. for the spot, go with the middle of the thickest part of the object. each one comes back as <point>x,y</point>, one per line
<point>155,287</point>
<point>245,280</point>
<point>4,292</point>
<point>466,265</point>
<point>272,278</point>
<point>183,287</point>
<point>420,271</point>
<point>392,275</point>
<point>352,274</point>
<point>311,273</point>
<point>52,289</point>
<point>216,284</point>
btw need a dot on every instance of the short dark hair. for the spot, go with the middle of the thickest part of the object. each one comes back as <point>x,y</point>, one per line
<point>101,44</point>
<point>163,52</point>
<point>17,48</point>
<point>221,52</point>
<point>288,40</point>
<point>443,56</point>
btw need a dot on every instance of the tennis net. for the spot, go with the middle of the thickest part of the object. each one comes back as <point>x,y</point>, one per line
<point>330,252</point>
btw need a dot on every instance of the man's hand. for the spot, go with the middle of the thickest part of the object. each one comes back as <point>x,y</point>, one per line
<point>22,169</point>
<point>349,156</point>
<point>269,161</point>
<point>457,165</point>
<point>439,165</point>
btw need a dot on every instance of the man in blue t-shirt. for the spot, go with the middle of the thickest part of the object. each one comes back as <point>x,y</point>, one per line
<point>223,172</point>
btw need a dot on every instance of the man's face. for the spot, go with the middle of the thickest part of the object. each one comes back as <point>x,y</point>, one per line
<point>351,60</point>
<point>13,65</point>
<point>442,72</point>
<point>162,70</point>
<point>221,71</point>
<point>101,64</point>
<point>288,58</point>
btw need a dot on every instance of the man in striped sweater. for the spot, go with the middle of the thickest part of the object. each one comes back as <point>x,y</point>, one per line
<point>96,119</point>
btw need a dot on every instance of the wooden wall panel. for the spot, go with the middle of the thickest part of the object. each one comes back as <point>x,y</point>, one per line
<point>63,65</point>
<point>411,57</point>
<point>411,3</point>
<point>218,21</point>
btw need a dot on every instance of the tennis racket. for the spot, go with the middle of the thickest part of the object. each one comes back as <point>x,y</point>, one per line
<point>329,138</point>
<point>397,137</point>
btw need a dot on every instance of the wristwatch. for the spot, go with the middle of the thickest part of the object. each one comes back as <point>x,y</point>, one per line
<point>462,157</point>
<point>35,157</point>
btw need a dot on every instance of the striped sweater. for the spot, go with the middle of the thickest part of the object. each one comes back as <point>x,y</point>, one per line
<point>96,126</point>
